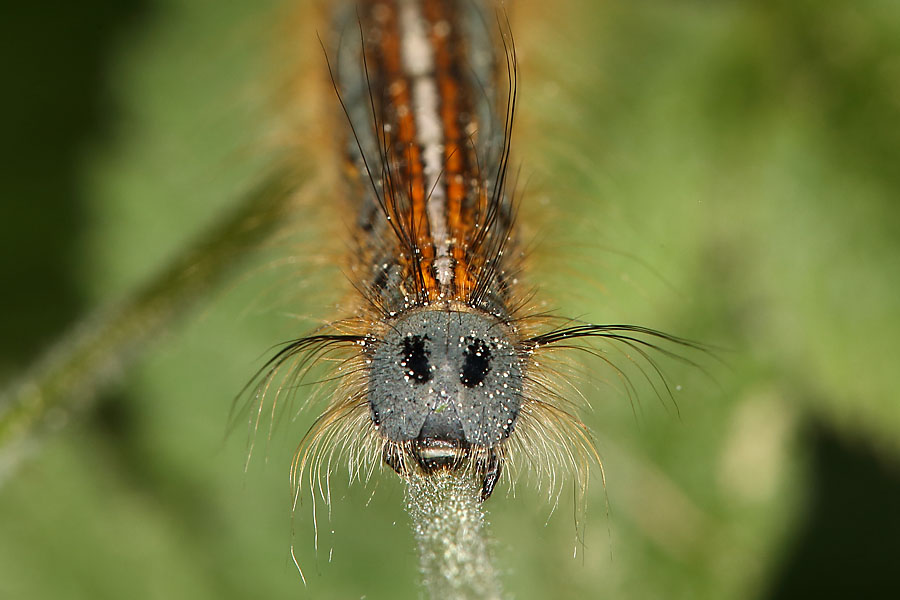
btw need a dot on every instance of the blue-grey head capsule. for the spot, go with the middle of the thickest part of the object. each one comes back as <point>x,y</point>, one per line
<point>447,380</point>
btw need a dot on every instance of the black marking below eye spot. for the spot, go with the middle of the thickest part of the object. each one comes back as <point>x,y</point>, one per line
<point>477,364</point>
<point>415,358</point>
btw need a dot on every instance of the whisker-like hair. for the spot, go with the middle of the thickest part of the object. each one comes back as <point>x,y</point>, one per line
<point>282,373</point>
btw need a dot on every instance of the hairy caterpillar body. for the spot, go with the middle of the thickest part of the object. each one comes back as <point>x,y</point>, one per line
<point>444,364</point>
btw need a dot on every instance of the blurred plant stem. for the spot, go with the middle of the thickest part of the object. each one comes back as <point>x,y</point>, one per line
<point>448,521</point>
<point>69,377</point>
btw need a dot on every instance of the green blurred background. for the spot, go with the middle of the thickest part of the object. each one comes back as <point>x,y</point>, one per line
<point>726,171</point>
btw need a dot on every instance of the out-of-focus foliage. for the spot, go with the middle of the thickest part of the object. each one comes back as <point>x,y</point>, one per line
<point>726,171</point>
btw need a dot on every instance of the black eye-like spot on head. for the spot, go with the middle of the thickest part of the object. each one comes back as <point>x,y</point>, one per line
<point>414,358</point>
<point>477,362</point>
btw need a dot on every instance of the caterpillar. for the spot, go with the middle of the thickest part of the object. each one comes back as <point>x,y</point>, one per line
<point>444,361</point>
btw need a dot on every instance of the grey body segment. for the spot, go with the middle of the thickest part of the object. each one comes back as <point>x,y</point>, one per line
<point>446,375</point>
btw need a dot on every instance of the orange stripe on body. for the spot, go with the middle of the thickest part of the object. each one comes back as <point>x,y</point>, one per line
<point>449,56</point>
<point>400,117</point>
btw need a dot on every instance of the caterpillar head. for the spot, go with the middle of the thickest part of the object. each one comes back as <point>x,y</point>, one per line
<point>445,389</point>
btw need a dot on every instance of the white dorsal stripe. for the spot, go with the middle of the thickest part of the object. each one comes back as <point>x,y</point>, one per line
<point>418,64</point>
